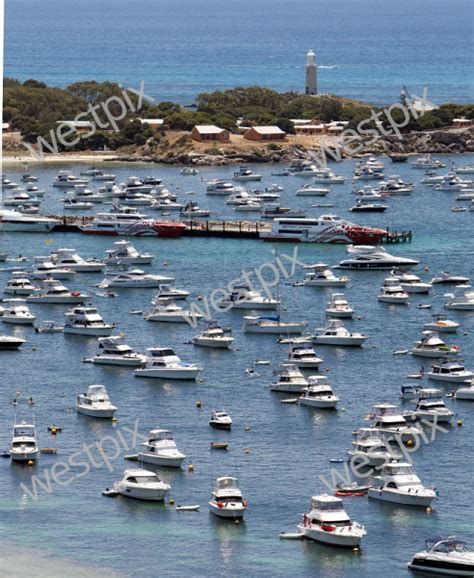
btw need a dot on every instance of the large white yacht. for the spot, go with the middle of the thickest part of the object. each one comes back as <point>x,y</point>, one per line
<point>322,276</point>
<point>163,363</point>
<point>371,448</point>
<point>67,180</point>
<point>451,372</point>
<point>167,311</point>
<point>243,297</point>
<point>432,409</point>
<point>431,345</point>
<point>449,557</point>
<point>327,176</point>
<point>87,321</point>
<point>124,253</point>
<point>13,221</point>
<point>19,284</point>
<point>441,324</point>
<point>245,174</point>
<point>71,259</point>
<point>289,380</point>
<point>462,300</point>
<point>141,484</point>
<point>392,292</point>
<point>16,312</point>
<point>259,324</point>
<point>399,484</point>
<point>43,267</point>
<point>411,283</point>
<point>367,257</point>
<point>221,187</point>
<point>95,403</point>
<point>304,356</point>
<point>23,447</point>
<point>427,162</point>
<point>319,393</point>
<point>389,420</point>
<point>114,350</point>
<point>227,500</point>
<point>335,333</point>
<point>328,522</point>
<point>132,278</point>
<point>339,307</point>
<point>53,291</point>
<point>214,336</point>
<point>161,450</point>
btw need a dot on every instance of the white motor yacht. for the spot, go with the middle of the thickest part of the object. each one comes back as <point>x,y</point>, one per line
<point>16,312</point>
<point>71,259</point>
<point>244,297</point>
<point>289,380</point>
<point>87,321</point>
<point>189,171</point>
<point>43,267</point>
<point>24,447</point>
<point>322,276</point>
<point>220,187</point>
<point>399,484</point>
<point>432,346</point>
<point>319,393</point>
<point>214,336</point>
<point>462,300</point>
<point>368,258</point>
<point>193,211</point>
<point>141,485</point>
<point>27,178</point>
<point>427,162</point>
<point>328,522</point>
<point>259,324</point>
<point>248,205</point>
<point>312,191</point>
<point>83,193</point>
<point>304,356</point>
<point>132,278</point>
<point>124,253</point>
<point>449,557</point>
<point>220,420</point>
<point>244,174</point>
<point>466,393</point>
<point>161,450</point>
<point>74,204</point>
<point>451,372</point>
<point>304,169</point>
<point>163,363</point>
<point>327,176</point>
<point>367,173</point>
<point>275,211</point>
<point>432,409</point>
<point>34,190</point>
<point>371,448</point>
<point>388,418</point>
<point>20,198</point>
<point>392,292</point>
<point>411,283</point>
<point>95,403</point>
<point>166,205</point>
<point>167,290</point>
<point>339,307</point>
<point>19,284</point>
<point>227,500</point>
<point>336,334</point>
<point>167,311</point>
<point>53,291</point>
<point>14,221</point>
<point>67,180</point>
<point>114,350</point>
<point>8,342</point>
<point>446,278</point>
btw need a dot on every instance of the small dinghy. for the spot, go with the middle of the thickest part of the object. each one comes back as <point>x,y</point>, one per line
<point>291,536</point>
<point>193,508</point>
<point>289,400</point>
<point>351,490</point>
<point>262,362</point>
<point>219,445</point>
<point>110,493</point>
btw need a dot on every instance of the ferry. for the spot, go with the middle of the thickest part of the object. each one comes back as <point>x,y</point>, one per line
<point>132,224</point>
<point>324,229</point>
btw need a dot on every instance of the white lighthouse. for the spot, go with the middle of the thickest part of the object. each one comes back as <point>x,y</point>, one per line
<point>311,74</point>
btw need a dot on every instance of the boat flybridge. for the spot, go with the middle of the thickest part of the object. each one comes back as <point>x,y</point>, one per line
<point>432,346</point>
<point>163,363</point>
<point>161,450</point>
<point>451,372</point>
<point>339,307</point>
<point>17,312</point>
<point>322,276</point>
<point>19,284</point>
<point>214,336</point>
<point>399,484</point>
<point>449,557</point>
<point>368,257</point>
<point>53,291</point>
<point>328,522</point>
<point>335,333</point>
<point>289,380</point>
<point>95,403</point>
<point>87,321</point>
<point>244,297</point>
<point>226,500</point>
<point>23,446</point>
<point>114,350</point>
<point>70,258</point>
<point>371,448</point>
<point>319,393</point>
<point>141,484</point>
<point>124,253</point>
<point>304,356</point>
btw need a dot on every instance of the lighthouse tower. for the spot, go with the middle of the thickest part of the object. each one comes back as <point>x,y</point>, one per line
<point>311,74</point>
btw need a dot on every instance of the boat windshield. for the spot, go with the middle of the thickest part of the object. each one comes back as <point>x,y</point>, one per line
<point>332,506</point>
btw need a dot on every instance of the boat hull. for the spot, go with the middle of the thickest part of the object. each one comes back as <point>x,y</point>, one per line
<point>146,494</point>
<point>279,329</point>
<point>221,343</point>
<point>23,456</point>
<point>99,413</point>
<point>330,538</point>
<point>319,403</point>
<point>231,511</point>
<point>157,460</point>
<point>50,300</point>
<point>339,341</point>
<point>168,373</point>
<point>90,331</point>
<point>404,499</point>
<point>118,360</point>
<point>18,320</point>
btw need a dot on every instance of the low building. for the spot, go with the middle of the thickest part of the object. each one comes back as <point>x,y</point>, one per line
<point>153,123</point>
<point>261,133</point>
<point>301,121</point>
<point>80,126</point>
<point>309,129</point>
<point>462,122</point>
<point>210,132</point>
<point>6,127</point>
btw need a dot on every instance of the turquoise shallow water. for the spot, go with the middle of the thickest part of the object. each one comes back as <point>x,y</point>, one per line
<point>290,446</point>
<point>181,48</point>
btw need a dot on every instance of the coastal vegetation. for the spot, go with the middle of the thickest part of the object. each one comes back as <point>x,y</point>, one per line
<point>34,109</point>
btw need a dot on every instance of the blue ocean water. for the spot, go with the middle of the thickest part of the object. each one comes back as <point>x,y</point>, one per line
<point>290,446</point>
<point>181,48</point>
